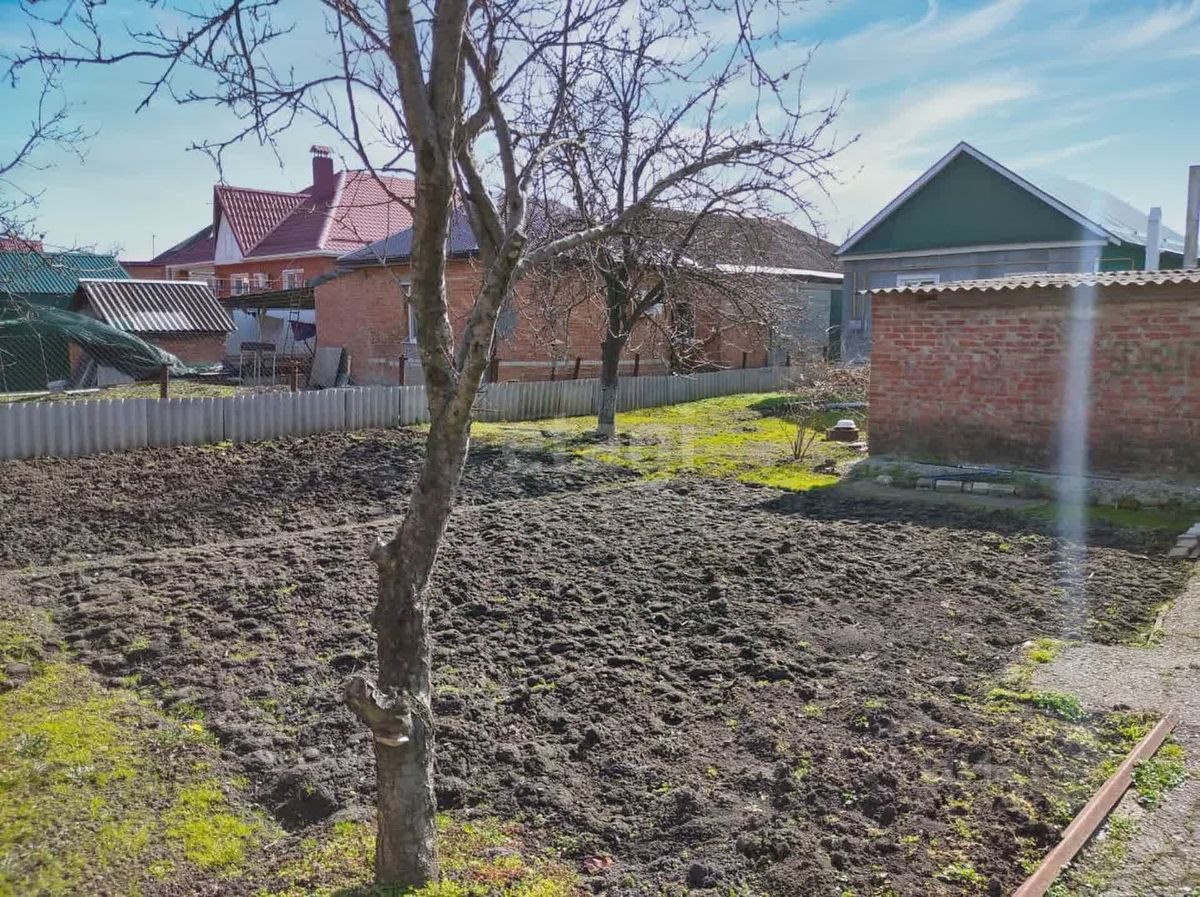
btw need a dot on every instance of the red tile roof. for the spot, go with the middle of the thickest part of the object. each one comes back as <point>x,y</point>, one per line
<point>359,211</point>
<point>252,214</point>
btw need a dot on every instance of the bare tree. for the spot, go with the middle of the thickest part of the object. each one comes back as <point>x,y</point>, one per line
<point>49,129</point>
<point>474,99</point>
<point>730,132</point>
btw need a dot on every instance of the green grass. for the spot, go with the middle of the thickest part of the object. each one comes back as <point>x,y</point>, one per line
<point>178,389</point>
<point>1154,520</point>
<point>479,858</point>
<point>99,792</point>
<point>730,436</point>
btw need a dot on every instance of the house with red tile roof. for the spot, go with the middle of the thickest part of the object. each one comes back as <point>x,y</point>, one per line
<point>262,240</point>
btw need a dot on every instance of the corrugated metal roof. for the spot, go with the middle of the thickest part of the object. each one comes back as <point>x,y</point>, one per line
<point>25,274</point>
<point>1048,281</point>
<point>155,306</point>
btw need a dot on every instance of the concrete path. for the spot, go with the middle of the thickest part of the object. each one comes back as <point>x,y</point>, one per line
<point>1164,857</point>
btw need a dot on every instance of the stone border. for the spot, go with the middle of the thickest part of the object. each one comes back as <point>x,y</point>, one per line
<point>1118,492</point>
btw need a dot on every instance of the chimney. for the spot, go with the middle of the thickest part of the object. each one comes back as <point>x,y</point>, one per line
<point>1193,217</point>
<point>1153,238</point>
<point>322,164</point>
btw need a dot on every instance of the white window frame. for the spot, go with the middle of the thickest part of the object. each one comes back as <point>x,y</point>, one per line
<point>292,278</point>
<point>258,280</point>
<point>411,311</point>
<point>239,284</point>
<point>918,278</point>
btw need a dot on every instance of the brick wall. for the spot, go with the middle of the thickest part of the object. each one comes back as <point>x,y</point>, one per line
<point>549,325</point>
<point>978,378</point>
<point>191,348</point>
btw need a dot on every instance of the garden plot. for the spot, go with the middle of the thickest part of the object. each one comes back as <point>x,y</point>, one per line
<point>670,685</point>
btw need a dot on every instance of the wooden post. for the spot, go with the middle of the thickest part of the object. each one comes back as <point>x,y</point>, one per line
<point>787,362</point>
<point>164,378</point>
<point>403,367</point>
<point>637,362</point>
<point>553,368</point>
<point>294,375</point>
<point>494,370</point>
<point>578,361</point>
<point>745,358</point>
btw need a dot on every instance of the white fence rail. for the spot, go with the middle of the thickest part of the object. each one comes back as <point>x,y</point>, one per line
<point>71,429</point>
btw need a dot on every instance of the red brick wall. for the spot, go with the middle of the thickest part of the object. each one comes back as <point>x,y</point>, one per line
<point>979,377</point>
<point>192,348</point>
<point>556,322</point>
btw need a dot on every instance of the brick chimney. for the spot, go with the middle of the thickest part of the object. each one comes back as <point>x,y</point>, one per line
<point>323,178</point>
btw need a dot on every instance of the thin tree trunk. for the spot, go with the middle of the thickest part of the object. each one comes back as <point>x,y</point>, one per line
<point>610,368</point>
<point>610,357</point>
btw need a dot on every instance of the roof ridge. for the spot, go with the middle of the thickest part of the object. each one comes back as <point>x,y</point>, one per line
<point>300,194</point>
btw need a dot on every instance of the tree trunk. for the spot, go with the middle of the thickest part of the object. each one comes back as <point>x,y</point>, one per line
<point>610,363</point>
<point>398,708</point>
<point>610,359</point>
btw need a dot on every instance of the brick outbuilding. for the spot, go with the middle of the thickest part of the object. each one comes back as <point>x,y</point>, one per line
<point>975,371</point>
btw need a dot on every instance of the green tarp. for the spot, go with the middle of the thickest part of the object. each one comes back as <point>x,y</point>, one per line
<point>34,340</point>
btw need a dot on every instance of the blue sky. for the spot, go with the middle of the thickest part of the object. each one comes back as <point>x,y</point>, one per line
<point>1096,91</point>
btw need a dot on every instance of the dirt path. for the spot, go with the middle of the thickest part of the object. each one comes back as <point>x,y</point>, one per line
<point>1163,860</point>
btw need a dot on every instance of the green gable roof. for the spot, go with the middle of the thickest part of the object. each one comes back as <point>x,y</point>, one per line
<point>967,199</point>
<point>26,275</point>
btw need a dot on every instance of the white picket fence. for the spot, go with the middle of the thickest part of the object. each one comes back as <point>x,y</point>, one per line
<point>72,429</point>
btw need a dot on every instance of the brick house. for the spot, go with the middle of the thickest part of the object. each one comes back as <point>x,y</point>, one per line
<point>265,240</point>
<point>553,324</point>
<point>974,371</point>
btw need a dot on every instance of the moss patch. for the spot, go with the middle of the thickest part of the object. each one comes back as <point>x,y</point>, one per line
<point>730,436</point>
<point>479,858</point>
<point>97,792</point>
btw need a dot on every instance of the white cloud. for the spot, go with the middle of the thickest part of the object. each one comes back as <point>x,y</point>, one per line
<point>1061,154</point>
<point>1143,29</point>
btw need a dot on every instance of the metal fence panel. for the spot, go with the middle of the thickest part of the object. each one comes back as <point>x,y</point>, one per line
<point>70,429</point>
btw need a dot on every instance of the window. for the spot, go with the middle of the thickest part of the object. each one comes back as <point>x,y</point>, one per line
<point>918,279</point>
<point>260,280</point>
<point>406,291</point>
<point>683,317</point>
<point>293,278</point>
<point>240,284</point>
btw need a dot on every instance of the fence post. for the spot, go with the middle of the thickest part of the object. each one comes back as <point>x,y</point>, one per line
<point>745,356</point>
<point>553,368</point>
<point>578,361</point>
<point>494,369</point>
<point>403,365</point>
<point>787,362</point>
<point>637,362</point>
<point>164,378</point>
<point>294,376</point>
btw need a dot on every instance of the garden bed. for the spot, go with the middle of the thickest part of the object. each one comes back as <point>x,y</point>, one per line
<point>671,684</point>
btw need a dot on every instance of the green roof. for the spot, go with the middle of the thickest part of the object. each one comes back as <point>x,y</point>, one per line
<point>45,274</point>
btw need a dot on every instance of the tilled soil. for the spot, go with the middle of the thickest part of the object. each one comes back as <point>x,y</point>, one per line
<point>57,510</point>
<point>710,682</point>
